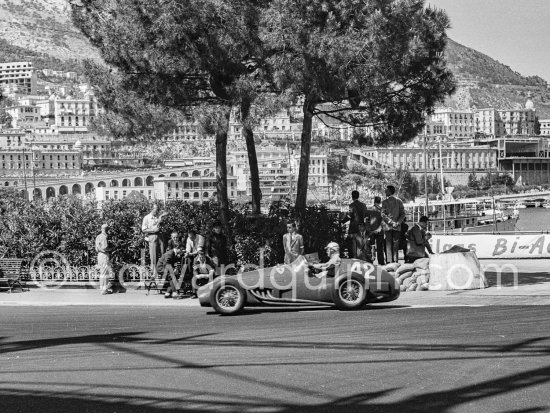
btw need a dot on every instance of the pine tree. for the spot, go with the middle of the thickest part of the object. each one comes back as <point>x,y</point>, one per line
<point>340,58</point>
<point>182,56</point>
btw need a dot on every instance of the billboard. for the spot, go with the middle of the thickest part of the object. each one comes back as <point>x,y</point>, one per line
<point>496,246</point>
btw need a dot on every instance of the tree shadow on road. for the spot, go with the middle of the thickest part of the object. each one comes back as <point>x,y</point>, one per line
<point>20,399</point>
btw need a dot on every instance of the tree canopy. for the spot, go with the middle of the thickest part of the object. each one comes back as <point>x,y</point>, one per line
<point>372,62</point>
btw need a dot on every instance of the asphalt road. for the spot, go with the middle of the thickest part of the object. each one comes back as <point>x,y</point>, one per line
<point>383,359</point>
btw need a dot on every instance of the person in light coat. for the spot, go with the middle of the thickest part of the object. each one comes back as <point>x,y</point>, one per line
<point>293,243</point>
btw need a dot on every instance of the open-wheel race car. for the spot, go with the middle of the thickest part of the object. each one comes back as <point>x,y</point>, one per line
<point>348,287</point>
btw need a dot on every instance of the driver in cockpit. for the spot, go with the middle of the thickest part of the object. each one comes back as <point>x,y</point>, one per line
<point>329,268</point>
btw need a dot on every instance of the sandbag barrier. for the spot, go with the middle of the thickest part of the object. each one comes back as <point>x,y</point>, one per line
<point>411,277</point>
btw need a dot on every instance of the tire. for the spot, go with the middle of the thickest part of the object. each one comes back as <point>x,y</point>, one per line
<point>228,297</point>
<point>350,293</point>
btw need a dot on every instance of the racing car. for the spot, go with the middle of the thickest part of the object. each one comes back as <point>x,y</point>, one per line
<point>352,285</point>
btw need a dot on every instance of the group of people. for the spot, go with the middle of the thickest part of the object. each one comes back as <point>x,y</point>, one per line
<point>383,228</point>
<point>188,264</point>
<point>184,264</point>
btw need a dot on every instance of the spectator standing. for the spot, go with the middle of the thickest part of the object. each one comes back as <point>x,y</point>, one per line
<point>357,212</point>
<point>362,249</point>
<point>216,246</point>
<point>418,237</point>
<point>103,260</point>
<point>192,244</point>
<point>150,227</point>
<point>394,212</point>
<point>203,271</point>
<point>379,231</point>
<point>293,243</point>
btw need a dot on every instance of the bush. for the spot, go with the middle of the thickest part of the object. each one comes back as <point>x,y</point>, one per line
<point>69,225</point>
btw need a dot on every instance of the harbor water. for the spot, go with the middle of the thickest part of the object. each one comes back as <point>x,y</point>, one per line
<point>534,219</point>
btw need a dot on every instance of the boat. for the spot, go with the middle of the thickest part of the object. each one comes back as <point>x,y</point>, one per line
<point>462,215</point>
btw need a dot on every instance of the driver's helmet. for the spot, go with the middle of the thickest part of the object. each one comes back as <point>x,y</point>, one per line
<point>332,247</point>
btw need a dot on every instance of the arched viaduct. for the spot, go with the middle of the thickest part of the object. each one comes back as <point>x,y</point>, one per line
<point>83,185</point>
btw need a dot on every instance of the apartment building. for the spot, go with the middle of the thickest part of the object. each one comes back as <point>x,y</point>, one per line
<point>18,77</point>
<point>17,162</point>
<point>453,123</point>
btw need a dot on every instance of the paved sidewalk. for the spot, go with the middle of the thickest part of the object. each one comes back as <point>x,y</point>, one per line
<point>538,294</point>
<point>62,297</point>
<point>531,286</point>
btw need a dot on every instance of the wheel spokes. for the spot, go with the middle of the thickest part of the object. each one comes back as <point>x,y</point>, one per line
<point>228,297</point>
<point>350,291</point>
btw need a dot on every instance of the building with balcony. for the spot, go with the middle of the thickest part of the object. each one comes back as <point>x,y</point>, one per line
<point>453,123</point>
<point>18,77</point>
<point>194,186</point>
<point>278,168</point>
<point>18,162</point>
<point>506,122</point>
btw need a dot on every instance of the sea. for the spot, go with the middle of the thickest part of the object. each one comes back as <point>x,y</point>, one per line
<point>534,219</point>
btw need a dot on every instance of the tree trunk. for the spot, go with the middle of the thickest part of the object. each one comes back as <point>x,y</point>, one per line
<point>303,176</point>
<point>248,135</point>
<point>221,176</point>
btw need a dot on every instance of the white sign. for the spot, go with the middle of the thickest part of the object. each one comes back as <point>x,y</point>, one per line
<point>496,246</point>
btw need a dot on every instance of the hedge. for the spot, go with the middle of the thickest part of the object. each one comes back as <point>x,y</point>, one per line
<point>68,225</point>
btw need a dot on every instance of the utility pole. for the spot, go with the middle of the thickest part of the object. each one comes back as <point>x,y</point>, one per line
<point>491,186</point>
<point>442,186</point>
<point>25,170</point>
<point>426,169</point>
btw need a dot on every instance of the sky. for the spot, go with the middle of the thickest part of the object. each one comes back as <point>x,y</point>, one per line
<point>514,32</point>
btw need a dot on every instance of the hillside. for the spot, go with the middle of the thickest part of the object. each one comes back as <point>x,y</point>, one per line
<point>43,27</point>
<point>41,31</point>
<point>485,82</point>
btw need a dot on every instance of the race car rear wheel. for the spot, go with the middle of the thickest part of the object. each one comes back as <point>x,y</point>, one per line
<point>350,293</point>
<point>228,298</point>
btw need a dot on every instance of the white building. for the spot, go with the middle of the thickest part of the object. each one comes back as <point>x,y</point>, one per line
<point>502,122</point>
<point>18,77</point>
<point>25,116</point>
<point>453,123</point>
<point>278,169</point>
<point>544,127</point>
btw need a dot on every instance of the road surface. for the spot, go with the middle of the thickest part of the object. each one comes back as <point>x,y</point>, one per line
<point>383,359</point>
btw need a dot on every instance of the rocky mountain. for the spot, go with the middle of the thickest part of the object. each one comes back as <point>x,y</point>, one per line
<point>41,31</point>
<point>484,82</point>
<point>42,27</point>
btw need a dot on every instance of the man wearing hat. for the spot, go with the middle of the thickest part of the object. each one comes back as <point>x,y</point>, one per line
<point>203,270</point>
<point>103,260</point>
<point>330,267</point>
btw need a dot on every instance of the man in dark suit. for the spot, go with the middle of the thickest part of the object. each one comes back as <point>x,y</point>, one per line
<point>357,212</point>
<point>417,240</point>
<point>394,211</point>
<point>362,247</point>
<point>378,227</point>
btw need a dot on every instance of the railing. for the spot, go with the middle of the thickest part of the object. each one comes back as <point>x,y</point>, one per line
<point>64,273</point>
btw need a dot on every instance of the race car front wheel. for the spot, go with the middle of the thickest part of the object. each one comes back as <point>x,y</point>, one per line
<point>228,298</point>
<point>350,293</point>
